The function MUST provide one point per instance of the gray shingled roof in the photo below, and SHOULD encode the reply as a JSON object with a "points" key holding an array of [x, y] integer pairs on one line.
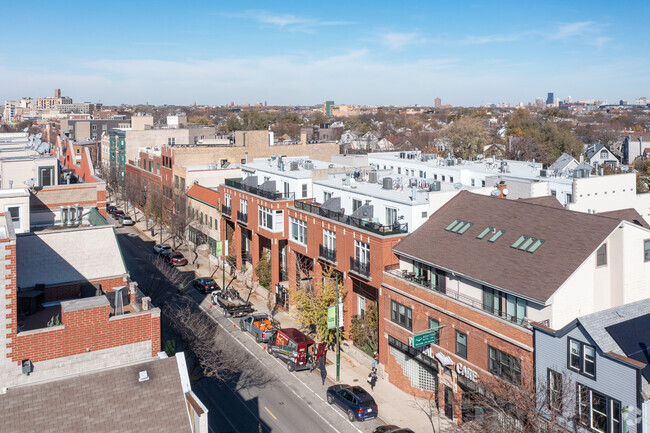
{"points": [[593, 149], [570, 237], [562, 162], [106, 401], [594, 324]]}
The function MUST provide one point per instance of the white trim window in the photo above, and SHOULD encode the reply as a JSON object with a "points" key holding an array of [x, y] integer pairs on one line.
{"points": [[243, 206], [298, 230], [329, 240], [228, 199], [15, 213], [362, 252], [265, 217]]}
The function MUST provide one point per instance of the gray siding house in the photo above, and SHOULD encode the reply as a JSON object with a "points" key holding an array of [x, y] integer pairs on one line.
{"points": [[593, 374]]}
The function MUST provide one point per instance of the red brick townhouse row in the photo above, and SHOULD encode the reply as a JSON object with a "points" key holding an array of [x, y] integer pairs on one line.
{"points": [[479, 271], [68, 306], [256, 223], [322, 240]]}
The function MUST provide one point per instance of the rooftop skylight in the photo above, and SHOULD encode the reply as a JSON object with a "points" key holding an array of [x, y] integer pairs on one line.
{"points": [[527, 243], [496, 236], [458, 226], [484, 232]]}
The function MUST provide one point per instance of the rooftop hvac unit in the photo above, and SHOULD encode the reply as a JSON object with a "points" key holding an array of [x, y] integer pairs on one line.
{"points": [[450, 162], [294, 165], [435, 185], [309, 165], [388, 183], [372, 177], [542, 173], [413, 182]]}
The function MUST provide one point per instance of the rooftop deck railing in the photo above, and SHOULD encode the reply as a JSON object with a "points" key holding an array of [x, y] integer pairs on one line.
{"points": [[380, 229], [270, 195]]}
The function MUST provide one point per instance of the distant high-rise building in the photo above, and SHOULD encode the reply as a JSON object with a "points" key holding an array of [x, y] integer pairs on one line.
{"points": [[438, 103], [642, 101], [569, 99], [550, 99], [57, 93], [327, 108], [539, 102]]}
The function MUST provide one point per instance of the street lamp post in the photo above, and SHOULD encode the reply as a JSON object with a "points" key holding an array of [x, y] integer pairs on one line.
{"points": [[338, 340]]}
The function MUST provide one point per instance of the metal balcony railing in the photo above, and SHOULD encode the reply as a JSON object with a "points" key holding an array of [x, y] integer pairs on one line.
{"points": [[361, 268], [327, 253], [242, 217], [270, 195], [467, 300], [380, 229], [226, 210]]}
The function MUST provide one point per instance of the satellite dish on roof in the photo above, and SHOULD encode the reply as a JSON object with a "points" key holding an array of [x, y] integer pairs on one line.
{"points": [[458, 185], [31, 182]]}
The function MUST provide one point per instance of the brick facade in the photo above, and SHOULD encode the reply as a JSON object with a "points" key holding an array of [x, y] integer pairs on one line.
{"points": [[481, 328]]}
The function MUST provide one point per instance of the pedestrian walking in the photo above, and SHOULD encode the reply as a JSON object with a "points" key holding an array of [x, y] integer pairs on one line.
{"points": [[321, 367], [372, 379], [375, 361]]}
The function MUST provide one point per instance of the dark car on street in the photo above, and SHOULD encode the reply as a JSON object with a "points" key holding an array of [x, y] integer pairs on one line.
{"points": [[177, 259], [354, 400], [111, 209], [118, 213], [392, 429], [205, 285], [160, 248]]}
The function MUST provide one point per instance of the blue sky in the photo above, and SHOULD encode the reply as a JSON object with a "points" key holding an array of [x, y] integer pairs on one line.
{"points": [[372, 53]]}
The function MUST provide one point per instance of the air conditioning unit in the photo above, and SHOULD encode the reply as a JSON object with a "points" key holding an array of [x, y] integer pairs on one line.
{"points": [[388, 183], [372, 177]]}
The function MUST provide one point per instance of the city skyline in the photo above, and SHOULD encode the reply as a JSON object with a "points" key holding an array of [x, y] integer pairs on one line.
{"points": [[369, 54]]}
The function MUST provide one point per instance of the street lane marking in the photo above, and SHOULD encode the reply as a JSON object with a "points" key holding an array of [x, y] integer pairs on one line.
{"points": [[267, 409], [288, 387]]}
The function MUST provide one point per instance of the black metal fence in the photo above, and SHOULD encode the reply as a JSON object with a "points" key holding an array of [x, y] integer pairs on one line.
{"points": [[377, 228], [271, 195]]}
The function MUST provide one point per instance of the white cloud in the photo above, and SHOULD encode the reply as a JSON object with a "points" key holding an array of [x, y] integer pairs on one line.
{"points": [[396, 40], [573, 29], [287, 22], [490, 39]]}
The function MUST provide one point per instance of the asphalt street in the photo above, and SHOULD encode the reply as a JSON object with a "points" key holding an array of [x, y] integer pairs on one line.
{"points": [[286, 402]]}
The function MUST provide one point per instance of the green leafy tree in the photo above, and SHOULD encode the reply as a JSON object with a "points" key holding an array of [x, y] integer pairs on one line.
{"points": [[312, 303], [263, 271], [467, 137], [365, 329]]}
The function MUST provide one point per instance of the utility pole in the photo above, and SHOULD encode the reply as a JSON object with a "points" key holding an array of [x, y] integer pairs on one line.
{"points": [[338, 340]]}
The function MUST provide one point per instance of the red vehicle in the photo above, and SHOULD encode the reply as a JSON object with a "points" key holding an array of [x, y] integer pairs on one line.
{"points": [[298, 350], [177, 259]]}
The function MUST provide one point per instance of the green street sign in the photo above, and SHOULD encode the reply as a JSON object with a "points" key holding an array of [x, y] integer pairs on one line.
{"points": [[425, 339]]}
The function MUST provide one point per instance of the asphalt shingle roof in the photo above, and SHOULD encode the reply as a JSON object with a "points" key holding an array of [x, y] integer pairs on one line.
{"points": [[570, 237], [107, 401], [206, 195]]}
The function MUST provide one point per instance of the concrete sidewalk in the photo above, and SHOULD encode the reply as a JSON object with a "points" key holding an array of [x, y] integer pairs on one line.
{"points": [[395, 406]]}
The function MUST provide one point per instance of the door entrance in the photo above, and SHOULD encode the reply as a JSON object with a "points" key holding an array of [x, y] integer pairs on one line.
{"points": [[449, 403]]}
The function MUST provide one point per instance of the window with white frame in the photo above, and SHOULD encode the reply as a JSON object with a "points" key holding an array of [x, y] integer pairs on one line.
{"points": [[597, 411], [356, 204], [391, 216], [601, 255], [582, 358], [361, 306], [227, 199], [329, 240], [265, 217], [555, 391], [362, 252], [298, 230], [646, 250], [14, 212], [171, 141], [243, 206], [304, 190], [326, 196]]}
